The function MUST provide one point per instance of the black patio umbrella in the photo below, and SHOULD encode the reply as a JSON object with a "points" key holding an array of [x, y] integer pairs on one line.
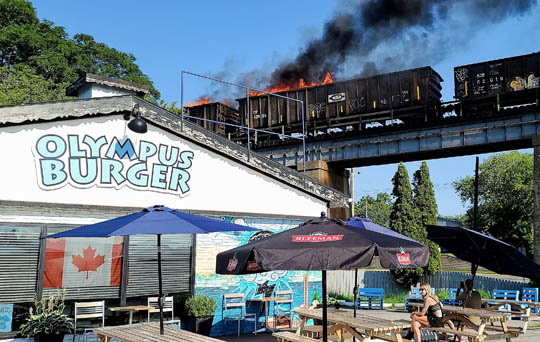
{"points": [[484, 250], [319, 245]]}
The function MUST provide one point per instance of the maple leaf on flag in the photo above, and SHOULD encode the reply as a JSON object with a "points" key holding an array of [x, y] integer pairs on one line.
{"points": [[88, 262]]}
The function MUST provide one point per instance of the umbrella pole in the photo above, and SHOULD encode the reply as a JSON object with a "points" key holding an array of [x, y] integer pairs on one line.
{"points": [[355, 294], [160, 299], [325, 307]]}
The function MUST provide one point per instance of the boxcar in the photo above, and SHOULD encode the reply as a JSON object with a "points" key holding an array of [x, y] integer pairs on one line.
{"points": [[392, 92], [215, 111], [515, 79]]}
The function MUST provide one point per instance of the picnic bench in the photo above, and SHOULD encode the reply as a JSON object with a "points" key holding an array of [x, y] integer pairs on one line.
{"points": [[287, 336], [369, 298], [451, 300], [486, 330], [362, 327], [415, 297], [149, 332]]}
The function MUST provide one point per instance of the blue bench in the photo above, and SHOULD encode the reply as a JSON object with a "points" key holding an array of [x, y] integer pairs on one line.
{"points": [[505, 294], [415, 297], [451, 300], [370, 298], [529, 294]]}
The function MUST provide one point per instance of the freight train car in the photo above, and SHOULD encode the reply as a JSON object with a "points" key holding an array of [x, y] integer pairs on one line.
{"points": [[215, 111], [503, 82], [393, 95]]}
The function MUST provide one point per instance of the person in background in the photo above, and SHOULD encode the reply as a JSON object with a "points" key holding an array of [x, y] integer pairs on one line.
{"points": [[431, 314], [469, 299]]}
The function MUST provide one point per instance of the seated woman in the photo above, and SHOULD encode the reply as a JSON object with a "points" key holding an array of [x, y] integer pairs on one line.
{"points": [[431, 314]]}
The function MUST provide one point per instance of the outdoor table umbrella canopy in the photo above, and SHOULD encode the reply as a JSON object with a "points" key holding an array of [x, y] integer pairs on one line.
{"points": [[484, 250], [319, 245], [153, 220]]}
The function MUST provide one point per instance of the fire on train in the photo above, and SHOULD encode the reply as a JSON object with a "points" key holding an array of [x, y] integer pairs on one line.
{"points": [[409, 97]]}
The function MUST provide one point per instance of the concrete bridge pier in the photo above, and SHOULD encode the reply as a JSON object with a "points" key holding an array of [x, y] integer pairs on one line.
{"points": [[334, 177]]}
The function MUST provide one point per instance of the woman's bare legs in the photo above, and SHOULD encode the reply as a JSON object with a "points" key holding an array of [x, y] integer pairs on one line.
{"points": [[417, 323]]}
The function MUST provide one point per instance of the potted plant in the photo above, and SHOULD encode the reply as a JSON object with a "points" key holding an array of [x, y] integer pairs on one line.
{"points": [[201, 314], [46, 321]]}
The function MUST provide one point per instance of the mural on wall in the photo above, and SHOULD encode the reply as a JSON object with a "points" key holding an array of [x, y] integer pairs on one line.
{"points": [[111, 162], [253, 286]]}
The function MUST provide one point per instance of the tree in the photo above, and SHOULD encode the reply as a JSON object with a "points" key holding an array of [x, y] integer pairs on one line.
{"points": [[404, 220], [42, 52], [505, 198], [378, 209], [426, 209]]}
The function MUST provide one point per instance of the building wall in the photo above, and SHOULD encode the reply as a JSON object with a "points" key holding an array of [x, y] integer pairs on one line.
{"points": [[210, 284], [208, 181]]}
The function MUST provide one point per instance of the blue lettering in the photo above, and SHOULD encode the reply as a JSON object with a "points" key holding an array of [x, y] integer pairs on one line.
{"points": [[159, 172], [44, 148], [74, 150], [146, 150], [180, 178], [95, 145], [163, 155], [52, 172], [111, 168], [185, 160], [75, 170], [121, 149], [135, 178]]}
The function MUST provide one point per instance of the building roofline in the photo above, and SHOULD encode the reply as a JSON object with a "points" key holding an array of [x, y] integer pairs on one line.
{"points": [[138, 88]]}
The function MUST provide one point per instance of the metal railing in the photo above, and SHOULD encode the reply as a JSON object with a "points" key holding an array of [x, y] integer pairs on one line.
{"points": [[248, 128]]}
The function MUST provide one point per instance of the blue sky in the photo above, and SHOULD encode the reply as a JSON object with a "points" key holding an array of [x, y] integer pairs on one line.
{"points": [[230, 38]]}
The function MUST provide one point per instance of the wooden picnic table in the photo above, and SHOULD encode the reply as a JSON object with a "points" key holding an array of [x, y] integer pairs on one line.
{"points": [[516, 305], [486, 330], [363, 327], [149, 332]]}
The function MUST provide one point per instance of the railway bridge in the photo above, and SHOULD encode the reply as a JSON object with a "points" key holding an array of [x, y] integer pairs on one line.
{"points": [[328, 157]]}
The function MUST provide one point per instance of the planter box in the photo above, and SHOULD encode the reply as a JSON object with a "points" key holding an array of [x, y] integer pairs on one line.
{"points": [[200, 325]]}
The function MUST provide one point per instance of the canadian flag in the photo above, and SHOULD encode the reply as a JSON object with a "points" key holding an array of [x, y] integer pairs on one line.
{"points": [[83, 262]]}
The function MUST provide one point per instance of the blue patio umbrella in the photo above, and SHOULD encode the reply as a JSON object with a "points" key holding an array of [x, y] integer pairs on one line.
{"points": [[154, 220]]}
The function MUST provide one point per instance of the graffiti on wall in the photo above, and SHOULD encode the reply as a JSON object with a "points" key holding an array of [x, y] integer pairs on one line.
{"points": [[253, 286]]}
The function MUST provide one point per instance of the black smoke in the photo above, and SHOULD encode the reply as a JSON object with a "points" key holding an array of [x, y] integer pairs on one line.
{"points": [[373, 36]]}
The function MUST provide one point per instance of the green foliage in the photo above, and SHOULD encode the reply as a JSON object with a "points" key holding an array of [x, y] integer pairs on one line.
{"points": [[505, 198], [404, 220], [378, 209], [20, 85], [426, 209], [42, 52], [315, 296], [47, 317], [201, 306]]}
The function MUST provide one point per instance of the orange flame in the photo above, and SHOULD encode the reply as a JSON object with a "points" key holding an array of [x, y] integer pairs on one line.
{"points": [[298, 85], [202, 100]]}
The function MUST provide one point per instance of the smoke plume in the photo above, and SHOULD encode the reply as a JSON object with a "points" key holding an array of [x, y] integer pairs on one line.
{"points": [[374, 36]]}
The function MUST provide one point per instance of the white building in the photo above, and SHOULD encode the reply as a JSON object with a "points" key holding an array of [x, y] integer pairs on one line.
{"points": [[70, 163]]}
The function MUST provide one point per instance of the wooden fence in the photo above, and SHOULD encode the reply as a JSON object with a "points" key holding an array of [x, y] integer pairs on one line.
{"points": [[342, 282]]}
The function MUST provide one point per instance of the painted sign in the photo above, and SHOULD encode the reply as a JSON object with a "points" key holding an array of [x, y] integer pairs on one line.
{"points": [[6, 317], [85, 161]]}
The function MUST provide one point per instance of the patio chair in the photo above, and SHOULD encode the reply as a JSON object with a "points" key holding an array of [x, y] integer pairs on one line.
{"points": [[168, 306], [284, 306], [233, 308], [90, 312]]}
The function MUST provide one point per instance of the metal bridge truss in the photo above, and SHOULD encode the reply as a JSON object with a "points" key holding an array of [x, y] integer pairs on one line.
{"points": [[450, 140]]}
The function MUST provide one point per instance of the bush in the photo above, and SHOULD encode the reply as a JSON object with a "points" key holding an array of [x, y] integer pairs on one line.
{"points": [[201, 306], [47, 317]]}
